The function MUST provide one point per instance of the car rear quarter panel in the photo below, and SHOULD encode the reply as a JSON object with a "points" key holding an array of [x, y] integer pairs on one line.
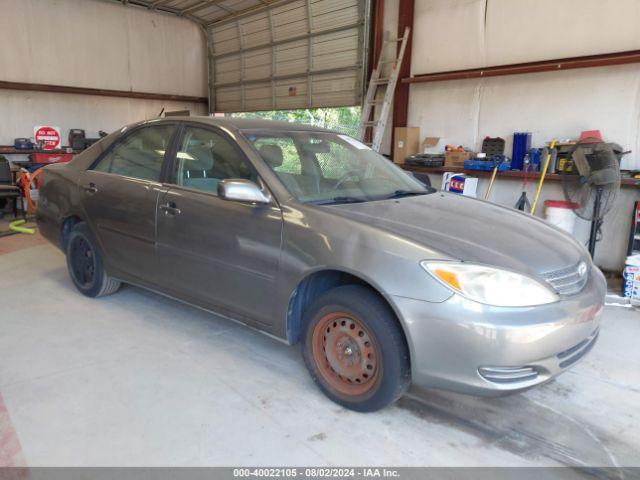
{"points": [[59, 196], [57, 201]]}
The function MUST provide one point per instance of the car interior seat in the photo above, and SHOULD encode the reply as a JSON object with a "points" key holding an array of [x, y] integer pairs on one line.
{"points": [[199, 170], [297, 184]]}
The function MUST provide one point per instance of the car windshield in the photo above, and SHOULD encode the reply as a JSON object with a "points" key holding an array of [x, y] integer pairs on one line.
{"points": [[325, 168]]}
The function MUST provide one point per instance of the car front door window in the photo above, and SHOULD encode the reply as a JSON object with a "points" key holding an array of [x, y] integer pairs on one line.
{"points": [[205, 157]]}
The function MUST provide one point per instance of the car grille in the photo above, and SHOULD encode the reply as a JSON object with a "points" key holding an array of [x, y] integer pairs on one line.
{"points": [[568, 281], [575, 353]]}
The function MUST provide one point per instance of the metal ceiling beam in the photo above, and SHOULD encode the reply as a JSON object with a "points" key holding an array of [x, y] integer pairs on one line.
{"points": [[158, 6], [248, 11], [161, 6], [191, 12], [601, 60], [207, 3], [157, 3], [101, 92]]}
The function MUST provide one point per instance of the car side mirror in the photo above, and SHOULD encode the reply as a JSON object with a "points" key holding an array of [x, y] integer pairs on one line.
{"points": [[240, 190]]}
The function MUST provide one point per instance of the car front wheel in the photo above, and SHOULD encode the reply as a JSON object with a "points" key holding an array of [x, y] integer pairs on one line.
{"points": [[85, 264], [355, 349]]}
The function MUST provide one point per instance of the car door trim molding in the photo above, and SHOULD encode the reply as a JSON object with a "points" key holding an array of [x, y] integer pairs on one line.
{"points": [[126, 234], [229, 265], [143, 181], [215, 309]]}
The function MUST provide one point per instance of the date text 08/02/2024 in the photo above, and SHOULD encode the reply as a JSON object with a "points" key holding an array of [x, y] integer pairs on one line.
{"points": [[316, 472]]}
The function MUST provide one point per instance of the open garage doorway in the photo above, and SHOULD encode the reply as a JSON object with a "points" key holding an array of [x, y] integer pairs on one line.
{"points": [[341, 119]]}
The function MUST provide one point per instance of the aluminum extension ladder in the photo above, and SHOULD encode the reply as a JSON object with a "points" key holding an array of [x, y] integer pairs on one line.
{"points": [[372, 100]]}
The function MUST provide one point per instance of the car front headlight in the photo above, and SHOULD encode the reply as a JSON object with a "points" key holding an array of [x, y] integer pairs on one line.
{"points": [[491, 286]]}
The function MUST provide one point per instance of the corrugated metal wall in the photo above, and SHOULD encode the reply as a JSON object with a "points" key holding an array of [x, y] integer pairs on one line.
{"points": [[307, 53]]}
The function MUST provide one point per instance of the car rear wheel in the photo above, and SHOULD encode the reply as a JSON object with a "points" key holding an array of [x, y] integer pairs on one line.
{"points": [[355, 350], [85, 264]]}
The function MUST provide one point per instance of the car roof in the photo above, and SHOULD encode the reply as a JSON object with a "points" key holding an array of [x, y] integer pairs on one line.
{"points": [[250, 123]]}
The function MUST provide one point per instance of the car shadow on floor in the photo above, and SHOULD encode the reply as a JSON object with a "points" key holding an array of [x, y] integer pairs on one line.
{"points": [[519, 424]]}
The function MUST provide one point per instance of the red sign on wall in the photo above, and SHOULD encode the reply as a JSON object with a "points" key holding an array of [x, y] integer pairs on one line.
{"points": [[49, 137]]}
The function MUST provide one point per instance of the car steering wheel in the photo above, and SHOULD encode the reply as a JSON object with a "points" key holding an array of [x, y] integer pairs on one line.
{"points": [[345, 177]]}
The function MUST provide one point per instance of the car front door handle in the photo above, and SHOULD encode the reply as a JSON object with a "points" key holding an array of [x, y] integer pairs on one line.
{"points": [[91, 188], [170, 209]]}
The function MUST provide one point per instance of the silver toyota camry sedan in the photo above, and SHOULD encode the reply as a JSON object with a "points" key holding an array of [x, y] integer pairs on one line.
{"points": [[311, 237]]}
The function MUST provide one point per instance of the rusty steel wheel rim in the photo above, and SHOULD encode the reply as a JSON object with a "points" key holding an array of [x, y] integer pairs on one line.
{"points": [[345, 353]]}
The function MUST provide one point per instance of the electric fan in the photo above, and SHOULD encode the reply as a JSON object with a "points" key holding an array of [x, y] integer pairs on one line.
{"points": [[591, 180]]}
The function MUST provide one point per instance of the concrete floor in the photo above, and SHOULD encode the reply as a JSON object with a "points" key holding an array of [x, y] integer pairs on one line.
{"points": [[137, 379]]}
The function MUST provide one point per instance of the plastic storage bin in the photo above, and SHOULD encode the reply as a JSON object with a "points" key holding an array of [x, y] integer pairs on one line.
{"points": [[521, 145]]}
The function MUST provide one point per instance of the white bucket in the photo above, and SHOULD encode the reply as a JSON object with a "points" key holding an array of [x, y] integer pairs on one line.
{"points": [[560, 213]]}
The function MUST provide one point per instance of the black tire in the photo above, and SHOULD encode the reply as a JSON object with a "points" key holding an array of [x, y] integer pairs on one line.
{"points": [[85, 265], [390, 376]]}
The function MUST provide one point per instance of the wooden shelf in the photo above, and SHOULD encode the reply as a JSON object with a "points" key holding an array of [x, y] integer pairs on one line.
{"points": [[510, 175], [11, 150]]}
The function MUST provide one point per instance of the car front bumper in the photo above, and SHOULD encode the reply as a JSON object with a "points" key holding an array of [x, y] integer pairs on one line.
{"points": [[467, 347]]}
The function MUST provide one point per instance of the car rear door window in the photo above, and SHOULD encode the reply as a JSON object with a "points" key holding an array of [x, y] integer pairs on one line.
{"points": [[139, 155], [205, 157]]}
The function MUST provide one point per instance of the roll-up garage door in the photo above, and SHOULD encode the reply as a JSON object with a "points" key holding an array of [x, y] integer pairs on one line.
{"points": [[297, 54]]}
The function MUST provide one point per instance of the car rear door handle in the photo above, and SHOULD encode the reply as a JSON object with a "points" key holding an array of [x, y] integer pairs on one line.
{"points": [[91, 188], [170, 209]]}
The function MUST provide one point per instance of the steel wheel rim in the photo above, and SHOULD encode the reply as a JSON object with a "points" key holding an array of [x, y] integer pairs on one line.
{"points": [[83, 262], [345, 353]]}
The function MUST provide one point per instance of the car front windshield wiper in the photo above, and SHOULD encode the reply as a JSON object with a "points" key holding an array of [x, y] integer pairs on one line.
{"points": [[407, 193], [343, 199]]}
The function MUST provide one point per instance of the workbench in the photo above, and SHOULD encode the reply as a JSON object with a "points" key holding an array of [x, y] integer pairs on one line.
{"points": [[508, 175], [11, 150]]}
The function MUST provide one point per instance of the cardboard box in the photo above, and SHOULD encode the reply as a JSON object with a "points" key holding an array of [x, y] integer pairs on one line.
{"points": [[407, 142], [459, 183], [429, 142], [434, 145], [456, 159]]}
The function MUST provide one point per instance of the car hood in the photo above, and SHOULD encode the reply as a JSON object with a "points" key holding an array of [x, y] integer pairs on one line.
{"points": [[471, 230]]}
